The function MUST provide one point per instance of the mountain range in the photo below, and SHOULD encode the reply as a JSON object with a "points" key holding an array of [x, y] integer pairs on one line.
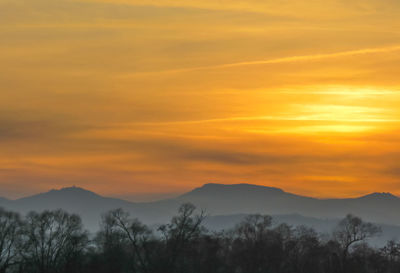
{"points": [[225, 205]]}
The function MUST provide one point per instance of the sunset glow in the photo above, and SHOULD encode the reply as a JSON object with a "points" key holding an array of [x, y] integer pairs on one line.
{"points": [[131, 98]]}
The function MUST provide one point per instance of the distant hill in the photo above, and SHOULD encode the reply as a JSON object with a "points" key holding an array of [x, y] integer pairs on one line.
{"points": [[245, 198], [77, 200], [3, 201], [217, 200]]}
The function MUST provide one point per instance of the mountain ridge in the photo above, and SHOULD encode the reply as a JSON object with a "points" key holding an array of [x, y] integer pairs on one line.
{"points": [[215, 199], [214, 187], [204, 187]]}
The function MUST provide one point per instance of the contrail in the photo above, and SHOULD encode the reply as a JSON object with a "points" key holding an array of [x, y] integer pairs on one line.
{"points": [[291, 59], [265, 118], [313, 57]]}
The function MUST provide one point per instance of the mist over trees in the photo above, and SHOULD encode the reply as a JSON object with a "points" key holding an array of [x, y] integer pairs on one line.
{"points": [[56, 242]]}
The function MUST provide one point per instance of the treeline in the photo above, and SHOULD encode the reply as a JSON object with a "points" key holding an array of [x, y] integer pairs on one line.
{"points": [[56, 242]]}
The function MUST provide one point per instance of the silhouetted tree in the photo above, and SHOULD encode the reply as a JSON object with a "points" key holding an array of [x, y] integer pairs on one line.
{"points": [[391, 253], [112, 245], [352, 230], [55, 242], [256, 247], [254, 227], [52, 240], [178, 235], [10, 237], [138, 236], [303, 251]]}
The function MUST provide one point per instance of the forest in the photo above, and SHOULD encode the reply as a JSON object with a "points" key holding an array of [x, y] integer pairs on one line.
{"points": [[57, 242]]}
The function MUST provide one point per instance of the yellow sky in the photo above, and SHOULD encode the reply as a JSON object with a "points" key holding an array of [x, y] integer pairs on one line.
{"points": [[128, 97]]}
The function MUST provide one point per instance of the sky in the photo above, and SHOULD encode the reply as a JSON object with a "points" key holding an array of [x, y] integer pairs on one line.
{"points": [[150, 98]]}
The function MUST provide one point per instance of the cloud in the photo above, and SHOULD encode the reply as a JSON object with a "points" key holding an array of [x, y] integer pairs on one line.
{"points": [[75, 109], [290, 59], [28, 126], [316, 9], [395, 171], [22, 130]]}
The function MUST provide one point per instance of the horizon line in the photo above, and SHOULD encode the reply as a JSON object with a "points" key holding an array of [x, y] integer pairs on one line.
{"points": [[178, 194]]}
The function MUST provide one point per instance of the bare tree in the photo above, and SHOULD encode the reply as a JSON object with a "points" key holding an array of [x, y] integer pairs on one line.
{"points": [[137, 234], [254, 227], [255, 245], [50, 238], [112, 245], [180, 232], [391, 250], [352, 230], [10, 235]]}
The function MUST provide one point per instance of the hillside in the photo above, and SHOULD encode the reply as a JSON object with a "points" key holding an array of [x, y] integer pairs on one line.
{"points": [[215, 199]]}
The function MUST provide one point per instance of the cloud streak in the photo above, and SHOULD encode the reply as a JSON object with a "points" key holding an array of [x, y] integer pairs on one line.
{"points": [[283, 60], [171, 94]]}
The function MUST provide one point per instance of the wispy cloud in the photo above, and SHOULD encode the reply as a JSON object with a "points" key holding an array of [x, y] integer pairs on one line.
{"points": [[170, 94], [290, 59]]}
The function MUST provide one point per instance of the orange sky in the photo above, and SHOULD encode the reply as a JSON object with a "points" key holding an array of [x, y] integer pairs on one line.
{"points": [[135, 98]]}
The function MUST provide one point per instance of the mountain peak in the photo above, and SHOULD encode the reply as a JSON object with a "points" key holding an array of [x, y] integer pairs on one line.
{"points": [[380, 196], [73, 189], [67, 193], [243, 188], [239, 186]]}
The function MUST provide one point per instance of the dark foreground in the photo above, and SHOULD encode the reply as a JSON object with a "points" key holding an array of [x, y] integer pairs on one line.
{"points": [[56, 242]]}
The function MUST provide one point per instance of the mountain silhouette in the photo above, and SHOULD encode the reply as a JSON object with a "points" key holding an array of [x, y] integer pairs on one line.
{"points": [[3, 200], [244, 198], [89, 205], [380, 196], [69, 198], [216, 200]]}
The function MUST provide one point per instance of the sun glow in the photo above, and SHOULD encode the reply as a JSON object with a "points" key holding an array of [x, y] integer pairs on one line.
{"points": [[170, 94]]}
